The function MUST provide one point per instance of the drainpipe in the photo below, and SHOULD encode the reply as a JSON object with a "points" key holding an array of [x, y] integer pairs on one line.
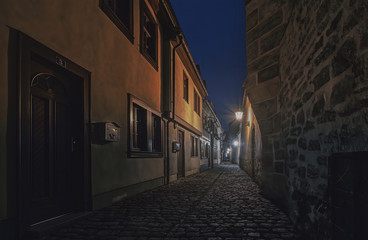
{"points": [[171, 119]]}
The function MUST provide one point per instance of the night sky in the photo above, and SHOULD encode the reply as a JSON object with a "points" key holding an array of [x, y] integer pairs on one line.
{"points": [[215, 32]]}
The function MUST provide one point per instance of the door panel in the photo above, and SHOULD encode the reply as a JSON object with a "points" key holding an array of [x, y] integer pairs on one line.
{"points": [[54, 142], [55, 123]]}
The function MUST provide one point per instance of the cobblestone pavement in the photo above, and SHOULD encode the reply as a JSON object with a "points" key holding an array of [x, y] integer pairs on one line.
{"points": [[221, 203]]}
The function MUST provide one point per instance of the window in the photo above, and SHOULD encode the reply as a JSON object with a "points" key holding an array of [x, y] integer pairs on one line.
{"points": [[139, 128], [120, 13], [148, 37], [194, 147], [185, 87], [197, 103], [145, 130], [156, 133]]}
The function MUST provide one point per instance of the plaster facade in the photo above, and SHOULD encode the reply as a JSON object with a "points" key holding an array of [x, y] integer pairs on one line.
{"points": [[119, 74]]}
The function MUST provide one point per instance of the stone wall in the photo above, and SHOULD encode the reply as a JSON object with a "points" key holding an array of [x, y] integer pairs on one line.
{"points": [[266, 21], [323, 98], [321, 63]]}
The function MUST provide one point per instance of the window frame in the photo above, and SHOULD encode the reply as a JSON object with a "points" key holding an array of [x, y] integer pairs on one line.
{"points": [[151, 115], [185, 87], [197, 102], [144, 10], [193, 146], [128, 31]]}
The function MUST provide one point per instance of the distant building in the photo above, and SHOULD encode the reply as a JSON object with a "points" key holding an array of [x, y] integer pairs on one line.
{"points": [[212, 137], [100, 100]]}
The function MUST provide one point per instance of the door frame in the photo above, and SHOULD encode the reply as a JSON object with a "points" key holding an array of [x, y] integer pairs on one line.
{"points": [[25, 46], [182, 154]]}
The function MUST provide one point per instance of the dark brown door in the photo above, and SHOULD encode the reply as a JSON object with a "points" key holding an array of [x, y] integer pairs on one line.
{"points": [[181, 155], [52, 137]]}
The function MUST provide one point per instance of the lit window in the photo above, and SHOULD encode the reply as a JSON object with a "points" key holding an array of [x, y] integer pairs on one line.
{"points": [[120, 13]]}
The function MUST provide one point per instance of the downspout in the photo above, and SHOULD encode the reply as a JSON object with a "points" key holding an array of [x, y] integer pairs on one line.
{"points": [[171, 119]]}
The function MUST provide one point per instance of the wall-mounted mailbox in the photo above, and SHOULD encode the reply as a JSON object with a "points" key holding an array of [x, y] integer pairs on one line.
{"points": [[175, 147], [107, 132]]}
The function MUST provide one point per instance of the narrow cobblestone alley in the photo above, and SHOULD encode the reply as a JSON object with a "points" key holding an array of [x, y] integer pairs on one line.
{"points": [[221, 203]]}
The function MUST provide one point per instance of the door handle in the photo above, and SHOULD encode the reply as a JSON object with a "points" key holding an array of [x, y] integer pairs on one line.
{"points": [[73, 142]]}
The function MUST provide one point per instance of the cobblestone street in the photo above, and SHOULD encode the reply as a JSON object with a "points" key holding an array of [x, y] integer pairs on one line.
{"points": [[221, 203]]}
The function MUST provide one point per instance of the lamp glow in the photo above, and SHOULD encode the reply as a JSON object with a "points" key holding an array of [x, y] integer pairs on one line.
{"points": [[238, 115], [236, 143]]}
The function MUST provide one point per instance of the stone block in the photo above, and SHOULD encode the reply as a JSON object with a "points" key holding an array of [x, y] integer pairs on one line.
{"points": [[297, 104], [264, 91], [322, 11], [250, 81], [264, 110], [354, 18], [344, 58], [307, 96], [327, 50], [290, 141], [268, 73], [265, 27], [300, 118], [269, 7], [309, 125], [327, 116], [312, 171], [302, 172], [322, 77], [322, 160], [273, 39], [318, 44], [279, 167], [363, 32], [252, 19], [280, 155], [334, 24], [293, 155], [318, 107], [252, 51], [353, 107], [264, 61], [314, 145], [302, 143], [296, 131], [342, 90]]}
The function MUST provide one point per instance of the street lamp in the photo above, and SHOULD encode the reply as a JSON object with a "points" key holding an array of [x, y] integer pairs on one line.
{"points": [[236, 143]]}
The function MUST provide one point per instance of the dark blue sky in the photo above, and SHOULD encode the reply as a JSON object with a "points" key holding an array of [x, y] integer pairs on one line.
{"points": [[215, 32]]}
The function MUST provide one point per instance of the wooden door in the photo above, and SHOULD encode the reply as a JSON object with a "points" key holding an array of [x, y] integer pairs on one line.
{"points": [[181, 155], [52, 128]]}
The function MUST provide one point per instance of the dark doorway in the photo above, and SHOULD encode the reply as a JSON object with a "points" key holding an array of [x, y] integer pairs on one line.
{"points": [[349, 195], [54, 179], [181, 155]]}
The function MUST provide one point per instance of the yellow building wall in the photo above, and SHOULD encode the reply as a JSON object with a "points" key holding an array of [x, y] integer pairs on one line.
{"points": [[184, 109], [80, 31], [246, 140]]}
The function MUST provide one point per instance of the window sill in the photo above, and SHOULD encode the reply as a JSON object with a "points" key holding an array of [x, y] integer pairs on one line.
{"points": [[150, 60], [138, 154]]}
